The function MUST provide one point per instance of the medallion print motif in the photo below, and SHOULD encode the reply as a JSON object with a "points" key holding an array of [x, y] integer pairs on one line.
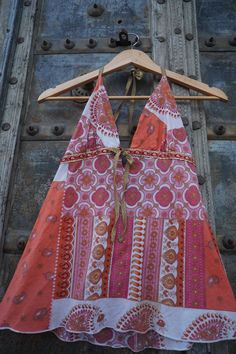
{"points": [[164, 285]]}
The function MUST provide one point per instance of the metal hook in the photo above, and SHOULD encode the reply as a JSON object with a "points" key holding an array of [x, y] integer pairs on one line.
{"points": [[136, 40]]}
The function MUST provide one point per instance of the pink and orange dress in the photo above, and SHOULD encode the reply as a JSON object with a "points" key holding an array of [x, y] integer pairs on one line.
{"points": [[121, 253]]}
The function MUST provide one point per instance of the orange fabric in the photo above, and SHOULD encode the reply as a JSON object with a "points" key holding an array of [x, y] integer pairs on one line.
{"points": [[27, 300], [150, 133], [219, 294]]}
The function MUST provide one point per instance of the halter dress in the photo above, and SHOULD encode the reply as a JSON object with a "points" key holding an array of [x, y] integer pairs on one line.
{"points": [[122, 253]]}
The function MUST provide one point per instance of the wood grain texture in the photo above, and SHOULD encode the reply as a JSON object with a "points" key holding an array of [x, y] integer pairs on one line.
{"points": [[12, 112]]}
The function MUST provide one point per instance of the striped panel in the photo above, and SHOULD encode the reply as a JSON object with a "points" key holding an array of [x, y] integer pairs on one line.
{"points": [[152, 258], [136, 266], [120, 264]]}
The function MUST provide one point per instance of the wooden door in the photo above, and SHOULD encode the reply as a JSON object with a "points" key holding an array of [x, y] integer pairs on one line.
{"points": [[51, 41]]}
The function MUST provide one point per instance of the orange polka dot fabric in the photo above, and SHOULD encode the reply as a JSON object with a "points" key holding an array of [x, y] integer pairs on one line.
{"points": [[163, 285]]}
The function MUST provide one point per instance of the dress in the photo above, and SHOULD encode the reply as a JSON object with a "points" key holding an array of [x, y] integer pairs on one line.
{"points": [[159, 282]]}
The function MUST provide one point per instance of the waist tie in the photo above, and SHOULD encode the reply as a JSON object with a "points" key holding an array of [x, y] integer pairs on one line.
{"points": [[127, 161]]}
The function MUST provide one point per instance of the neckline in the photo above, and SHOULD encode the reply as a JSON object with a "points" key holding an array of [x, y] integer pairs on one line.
{"points": [[100, 84]]}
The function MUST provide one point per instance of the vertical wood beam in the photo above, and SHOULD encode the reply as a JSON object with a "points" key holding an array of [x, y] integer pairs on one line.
{"points": [[173, 51], [9, 130], [9, 25], [175, 46]]}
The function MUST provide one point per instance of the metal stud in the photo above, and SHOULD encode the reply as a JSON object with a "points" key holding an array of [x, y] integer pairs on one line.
{"points": [[112, 43], [233, 42], [68, 44], [32, 130], [6, 126], [210, 42], [21, 243], [189, 36], [58, 130], [95, 10], [201, 179], [177, 30], [228, 243], [13, 80], [46, 45], [185, 121], [196, 125], [219, 129], [161, 1], [92, 43], [27, 3]]}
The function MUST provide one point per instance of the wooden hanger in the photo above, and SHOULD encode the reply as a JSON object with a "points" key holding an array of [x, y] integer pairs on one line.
{"points": [[139, 60]]}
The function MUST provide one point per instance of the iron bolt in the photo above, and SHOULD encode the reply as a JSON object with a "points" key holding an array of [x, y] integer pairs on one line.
{"points": [[210, 42], [21, 243], [112, 43], [68, 44], [32, 130], [58, 130], [27, 3], [189, 36], [228, 243], [219, 129], [201, 179], [92, 43], [13, 80], [46, 45], [95, 10], [177, 30], [6, 126], [185, 121], [233, 41], [161, 1], [196, 125]]}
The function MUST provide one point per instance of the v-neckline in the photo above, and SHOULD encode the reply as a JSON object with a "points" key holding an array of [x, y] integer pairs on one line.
{"points": [[100, 84]]}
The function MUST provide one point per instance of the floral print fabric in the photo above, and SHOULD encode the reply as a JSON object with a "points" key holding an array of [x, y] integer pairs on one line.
{"points": [[164, 286]]}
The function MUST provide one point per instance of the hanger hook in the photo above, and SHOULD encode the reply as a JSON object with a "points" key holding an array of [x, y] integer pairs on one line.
{"points": [[136, 40]]}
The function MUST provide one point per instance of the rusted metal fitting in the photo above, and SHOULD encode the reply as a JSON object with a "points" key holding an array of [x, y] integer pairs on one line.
{"points": [[219, 129], [21, 243], [177, 30], [210, 42], [228, 243], [58, 130], [112, 43], [32, 130], [123, 40], [92, 43], [185, 121], [6, 126], [201, 179], [68, 44], [189, 36], [13, 80], [196, 125], [233, 42], [46, 45], [95, 10]]}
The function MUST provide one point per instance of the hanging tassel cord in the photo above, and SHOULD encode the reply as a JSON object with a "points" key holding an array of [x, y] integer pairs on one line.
{"points": [[120, 204]]}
